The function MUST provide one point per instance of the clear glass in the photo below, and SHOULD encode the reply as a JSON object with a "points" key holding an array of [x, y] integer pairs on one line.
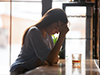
{"points": [[76, 60], [24, 14], [4, 37]]}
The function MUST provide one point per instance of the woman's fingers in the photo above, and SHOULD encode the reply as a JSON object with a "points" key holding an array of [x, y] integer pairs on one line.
{"points": [[64, 29]]}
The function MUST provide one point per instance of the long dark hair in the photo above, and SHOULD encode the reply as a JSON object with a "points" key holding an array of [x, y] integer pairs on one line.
{"points": [[51, 16]]}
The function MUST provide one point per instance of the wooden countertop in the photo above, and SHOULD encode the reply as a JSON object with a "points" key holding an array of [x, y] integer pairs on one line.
{"points": [[64, 67]]}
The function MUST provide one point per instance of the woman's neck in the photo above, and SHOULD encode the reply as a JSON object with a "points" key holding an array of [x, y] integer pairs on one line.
{"points": [[44, 33]]}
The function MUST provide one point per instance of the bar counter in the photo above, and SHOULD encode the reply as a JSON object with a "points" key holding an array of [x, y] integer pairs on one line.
{"points": [[64, 67]]}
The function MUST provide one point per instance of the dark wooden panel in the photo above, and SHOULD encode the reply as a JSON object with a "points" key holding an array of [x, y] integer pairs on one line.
{"points": [[88, 32], [99, 33], [46, 5], [78, 4]]}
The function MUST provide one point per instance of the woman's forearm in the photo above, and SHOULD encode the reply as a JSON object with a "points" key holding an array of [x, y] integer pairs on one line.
{"points": [[56, 59], [55, 51]]}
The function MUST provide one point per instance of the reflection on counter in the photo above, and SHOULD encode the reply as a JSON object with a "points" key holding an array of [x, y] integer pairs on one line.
{"points": [[88, 67], [76, 71]]}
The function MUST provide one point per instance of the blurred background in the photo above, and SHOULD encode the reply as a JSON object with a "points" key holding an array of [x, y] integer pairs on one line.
{"points": [[17, 15]]}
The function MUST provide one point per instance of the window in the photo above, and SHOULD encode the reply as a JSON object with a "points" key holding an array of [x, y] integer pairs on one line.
{"points": [[22, 14], [4, 37]]}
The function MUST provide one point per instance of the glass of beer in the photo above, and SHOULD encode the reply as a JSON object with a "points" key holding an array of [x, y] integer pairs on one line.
{"points": [[76, 60]]}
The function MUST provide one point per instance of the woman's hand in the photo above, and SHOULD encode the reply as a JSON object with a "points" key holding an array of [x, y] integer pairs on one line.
{"points": [[56, 59], [41, 63], [63, 28]]}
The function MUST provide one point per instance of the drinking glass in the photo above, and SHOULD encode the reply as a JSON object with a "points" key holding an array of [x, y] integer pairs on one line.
{"points": [[76, 60]]}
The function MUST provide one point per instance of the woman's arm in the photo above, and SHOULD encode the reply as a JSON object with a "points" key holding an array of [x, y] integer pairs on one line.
{"points": [[55, 51], [56, 59], [41, 63]]}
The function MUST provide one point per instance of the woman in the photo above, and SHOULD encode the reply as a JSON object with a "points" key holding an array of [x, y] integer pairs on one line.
{"points": [[37, 45]]}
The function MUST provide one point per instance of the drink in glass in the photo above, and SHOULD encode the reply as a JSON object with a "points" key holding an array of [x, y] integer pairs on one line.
{"points": [[76, 60]]}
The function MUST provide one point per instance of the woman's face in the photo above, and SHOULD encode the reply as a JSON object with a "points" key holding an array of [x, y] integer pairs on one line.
{"points": [[53, 28]]}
